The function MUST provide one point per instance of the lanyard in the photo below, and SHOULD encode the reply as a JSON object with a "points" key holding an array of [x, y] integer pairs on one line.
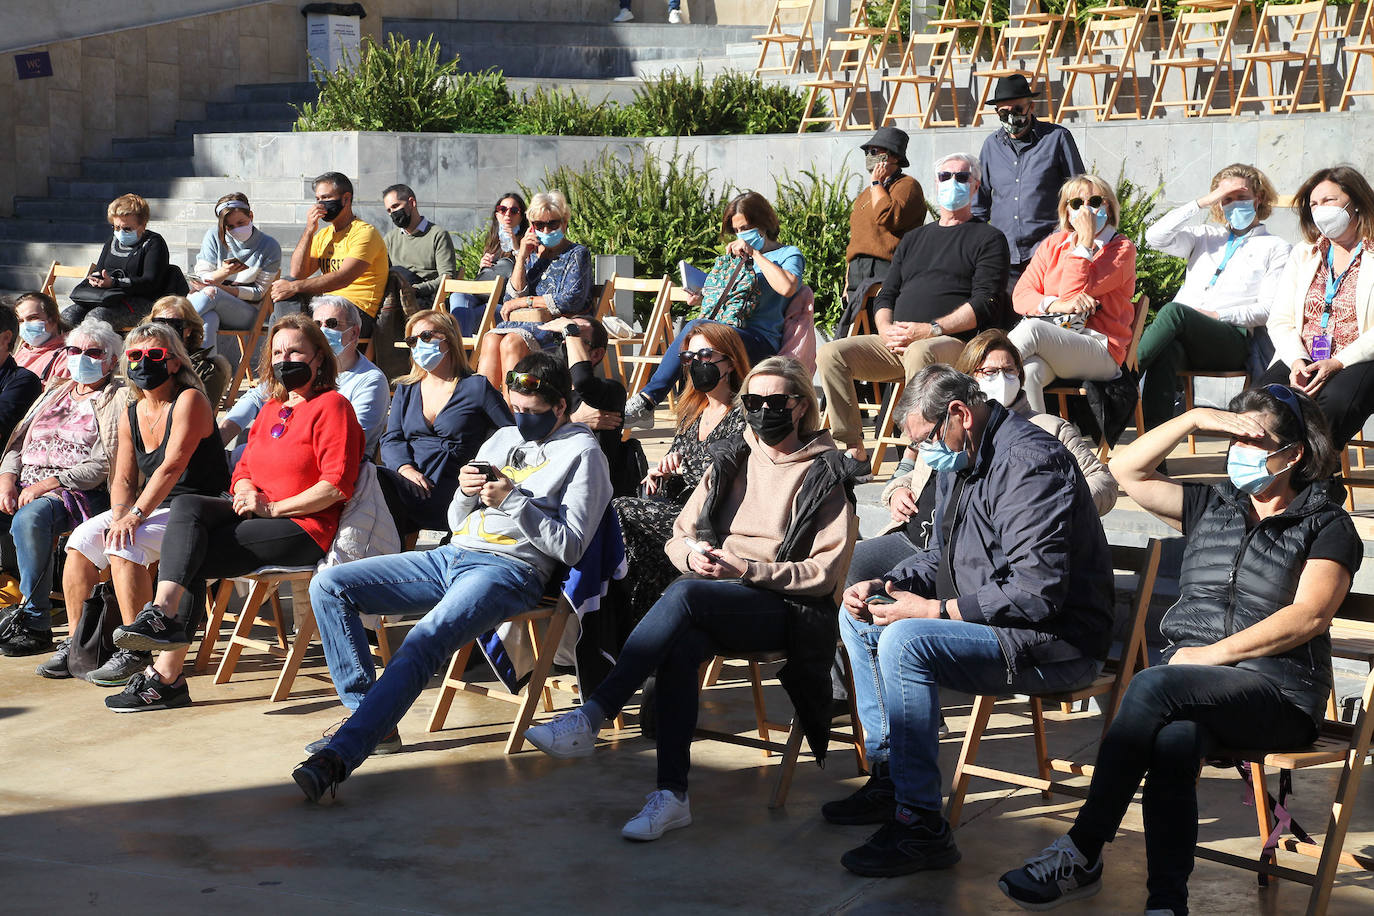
{"points": [[1233, 245], [1333, 282]]}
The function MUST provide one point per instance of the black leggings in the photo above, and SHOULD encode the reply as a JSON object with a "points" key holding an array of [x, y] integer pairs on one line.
{"points": [[207, 539]]}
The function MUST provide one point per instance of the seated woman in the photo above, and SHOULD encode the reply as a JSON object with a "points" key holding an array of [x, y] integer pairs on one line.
{"points": [[706, 414], [775, 271], [507, 230], [1322, 316], [52, 478], [289, 490], [177, 313], [1233, 270], [133, 269], [1077, 293], [552, 278], [235, 267], [440, 415], [168, 441], [761, 577], [1268, 559], [43, 346]]}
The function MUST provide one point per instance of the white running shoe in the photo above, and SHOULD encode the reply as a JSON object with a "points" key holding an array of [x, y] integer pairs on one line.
{"points": [[675, 17], [569, 735], [623, 16], [639, 412], [662, 813]]}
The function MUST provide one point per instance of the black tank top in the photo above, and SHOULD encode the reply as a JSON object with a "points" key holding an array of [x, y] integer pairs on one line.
{"points": [[206, 474]]}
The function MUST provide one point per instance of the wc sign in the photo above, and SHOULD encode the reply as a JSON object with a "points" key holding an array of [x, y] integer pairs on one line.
{"points": [[32, 66]]}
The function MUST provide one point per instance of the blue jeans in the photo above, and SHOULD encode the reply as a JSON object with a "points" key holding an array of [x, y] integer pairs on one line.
{"points": [[898, 670], [26, 546], [220, 309], [670, 368], [466, 309], [462, 593]]}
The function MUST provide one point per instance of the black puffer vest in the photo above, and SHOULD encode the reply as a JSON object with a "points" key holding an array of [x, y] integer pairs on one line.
{"points": [[1234, 576]]}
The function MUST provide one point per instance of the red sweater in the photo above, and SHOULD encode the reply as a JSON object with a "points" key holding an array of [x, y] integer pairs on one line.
{"points": [[1109, 277], [323, 441]]}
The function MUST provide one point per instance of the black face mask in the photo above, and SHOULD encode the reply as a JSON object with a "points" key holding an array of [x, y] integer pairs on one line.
{"points": [[176, 324], [772, 426], [147, 374], [535, 426], [705, 376], [332, 209], [292, 375], [401, 217]]}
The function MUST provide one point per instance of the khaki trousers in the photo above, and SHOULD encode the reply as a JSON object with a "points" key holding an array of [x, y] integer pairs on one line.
{"points": [[842, 362]]}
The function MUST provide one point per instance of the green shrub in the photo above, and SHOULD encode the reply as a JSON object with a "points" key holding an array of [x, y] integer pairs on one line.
{"points": [[559, 113], [682, 105], [1157, 275], [467, 248], [813, 212]]}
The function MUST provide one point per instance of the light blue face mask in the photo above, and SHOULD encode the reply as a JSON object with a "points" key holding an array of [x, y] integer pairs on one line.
{"points": [[335, 338], [1100, 219], [84, 370], [1240, 215], [753, 238], [1248, 468], [427, 354], [126, 237], [953, 195], [549, 239], [34, 333], [940, 458]]}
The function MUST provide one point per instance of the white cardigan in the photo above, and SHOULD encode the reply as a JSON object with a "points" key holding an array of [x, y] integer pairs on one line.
{"points": [[1285, 316]]}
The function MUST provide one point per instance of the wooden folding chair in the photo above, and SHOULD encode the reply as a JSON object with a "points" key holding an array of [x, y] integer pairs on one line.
{"points": [[264, 583], [1187, 375], [950, 23], [1356, 49], [57, 271], [1302, 49], [492, 289], [918, 69], [1020, 51], [650, 344], [788, 13], [1035, 13], [605, 306], [248, 346], [879, 38], [843, 69], [1201, 44], [1111, 684], [1107, 50], [1150, 10]]}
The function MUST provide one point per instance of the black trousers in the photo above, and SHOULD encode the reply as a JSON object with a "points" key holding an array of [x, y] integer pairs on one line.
{"points": [[1347, 398], [207, 539]]}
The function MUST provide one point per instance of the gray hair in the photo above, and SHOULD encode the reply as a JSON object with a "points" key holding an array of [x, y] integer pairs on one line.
{"points": [[935, 387], [553, 202], [970, 160], [349, 315], [104, 337]]}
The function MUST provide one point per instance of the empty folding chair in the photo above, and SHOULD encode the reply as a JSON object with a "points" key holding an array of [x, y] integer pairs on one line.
{"points": [[1202, 45], [1107, 50], [1303, 50], [925, 49], [1020, 51], [843, 70], [788, 15]]}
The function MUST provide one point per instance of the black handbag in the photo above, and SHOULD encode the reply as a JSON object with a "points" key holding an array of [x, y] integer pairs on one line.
{"points": [[86, 294], [93, 642]]}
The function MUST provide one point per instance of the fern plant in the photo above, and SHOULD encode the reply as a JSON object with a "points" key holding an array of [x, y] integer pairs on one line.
{"points": [[1157, 274], [813, 213], [685, 105], [557, 113]]}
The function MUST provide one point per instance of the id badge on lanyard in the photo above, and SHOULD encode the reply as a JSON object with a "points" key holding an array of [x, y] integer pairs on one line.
{"points": [[1321, 343]]}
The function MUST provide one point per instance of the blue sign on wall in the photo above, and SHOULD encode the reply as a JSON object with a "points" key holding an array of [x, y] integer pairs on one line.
{"points": [[32, 66]]}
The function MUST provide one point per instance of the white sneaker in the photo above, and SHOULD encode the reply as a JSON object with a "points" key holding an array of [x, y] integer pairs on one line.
{"points": [[662, 813], [569, 735], [675, 17], [623, 16], [639, 412]]}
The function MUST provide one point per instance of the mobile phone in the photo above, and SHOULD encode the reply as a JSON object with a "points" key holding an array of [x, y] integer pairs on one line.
{"points": [[697, 547], [487, 469], [880, 598]]}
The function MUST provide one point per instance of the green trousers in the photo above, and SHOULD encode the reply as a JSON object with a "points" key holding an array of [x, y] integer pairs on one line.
{"points": [[1183, 338]]}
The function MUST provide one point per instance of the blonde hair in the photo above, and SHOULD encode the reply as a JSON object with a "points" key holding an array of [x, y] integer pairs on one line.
{"points": [[1256, 181], [187, 313], [168, 339], [1066, 192], [798, 383], [553, 202], [444, 321], [128, 205]]}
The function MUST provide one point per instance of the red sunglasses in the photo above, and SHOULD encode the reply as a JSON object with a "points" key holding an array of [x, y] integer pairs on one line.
{"points": [[138, 354]]}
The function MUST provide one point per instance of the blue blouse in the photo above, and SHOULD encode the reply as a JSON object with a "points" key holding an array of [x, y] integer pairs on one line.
{"points": [[565, 281], [767, 318]]}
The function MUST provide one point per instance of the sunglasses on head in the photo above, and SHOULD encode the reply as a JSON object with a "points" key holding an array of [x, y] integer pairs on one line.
{"points": [[961, 176], [529, 383], [92, 352], [154, 354], [284, 415], [1095, 201], [546, 225], [755, 402], [331, 323], [704, 355], [426, 336], [502, 208]]}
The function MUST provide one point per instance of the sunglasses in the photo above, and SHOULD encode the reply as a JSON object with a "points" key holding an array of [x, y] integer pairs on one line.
{"points": [[546, 226], [92, 352], [961, 177], [331, 323], [426, 336], [529, 383], [503, 209], [704, 355], [138, 354], [756, 402], [283, 415], [1095, 201]]}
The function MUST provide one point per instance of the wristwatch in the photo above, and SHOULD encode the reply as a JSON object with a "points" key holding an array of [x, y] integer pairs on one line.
{"points": [[139, 512], [935, 329], [944, 610]]}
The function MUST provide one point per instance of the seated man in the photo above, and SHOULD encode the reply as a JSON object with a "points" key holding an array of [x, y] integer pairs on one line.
{"points": [[347, 252], [599, 404], [531, 501], [1014, 594], [361, 382], [421, 256], [946, 283]]}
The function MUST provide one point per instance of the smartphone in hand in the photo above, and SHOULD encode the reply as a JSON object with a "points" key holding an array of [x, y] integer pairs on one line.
{"points": [[486, 469], [880, 598]]}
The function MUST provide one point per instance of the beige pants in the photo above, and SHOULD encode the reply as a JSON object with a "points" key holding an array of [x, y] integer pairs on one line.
{"points": [[842, 362]]}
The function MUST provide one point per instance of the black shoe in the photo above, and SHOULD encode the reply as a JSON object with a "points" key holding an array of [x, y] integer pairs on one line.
{"points": [[901, 849], [118, 668], [56, 667], [391, 744], [1057, 875], [145, 692], [874, 802], [321, 773], [151, 630], [24, 640]]}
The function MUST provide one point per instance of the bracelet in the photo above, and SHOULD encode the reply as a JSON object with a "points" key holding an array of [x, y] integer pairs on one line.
{"points": [[944, 611]]}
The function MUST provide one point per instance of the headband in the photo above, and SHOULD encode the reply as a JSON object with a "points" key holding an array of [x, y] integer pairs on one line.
{"points": [[230, 205], [1284, 395]]}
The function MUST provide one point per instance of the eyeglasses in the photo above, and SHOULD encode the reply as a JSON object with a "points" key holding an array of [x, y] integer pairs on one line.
{"points": [[962, 177], [503, 209], [92, 352], [704, 355], [756, 402], [993, 372], [937, 430], [546, 226], [426, 336], [331, 323], [530, 383], [1095, 201], [153, 354], [284, 415]]}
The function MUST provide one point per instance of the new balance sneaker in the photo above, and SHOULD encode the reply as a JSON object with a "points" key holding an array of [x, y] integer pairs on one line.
{"points": [[151, 630], [26, 640], [123, 665], [145, 692], [663, 811], [391, 744], [320, 774], [674, 17], [569, 735], [623, 16], [1060, 873], [56, 667], [905, 844], [639, 412], [874, 802]]}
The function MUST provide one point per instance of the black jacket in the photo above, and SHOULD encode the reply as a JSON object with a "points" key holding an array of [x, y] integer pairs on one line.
{"points": [[1026, 549], [19, 388], [145, 273]]}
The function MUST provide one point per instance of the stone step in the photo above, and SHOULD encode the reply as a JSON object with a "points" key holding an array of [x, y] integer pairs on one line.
{"points": [[202, 189], [267, 112], [151, 147], [240, 126], [128, 170], [177, 232], [275, 92], [92, 209]]}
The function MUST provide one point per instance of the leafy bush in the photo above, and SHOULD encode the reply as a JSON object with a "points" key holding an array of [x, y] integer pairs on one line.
{"points": [[1158, 275], [813, 212], [565, 114], [681, 105]]}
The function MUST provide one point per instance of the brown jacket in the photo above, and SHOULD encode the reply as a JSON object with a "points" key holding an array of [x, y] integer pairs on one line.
{"points": [[877, 232]]}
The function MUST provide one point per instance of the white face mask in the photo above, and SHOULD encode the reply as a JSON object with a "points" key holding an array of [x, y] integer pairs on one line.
{"points": [[1002, 387], [242, 233], [1332, 222]]}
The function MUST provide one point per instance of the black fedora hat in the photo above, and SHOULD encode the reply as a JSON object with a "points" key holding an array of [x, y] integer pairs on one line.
{"points": [[892, 140], [1011, 88]]}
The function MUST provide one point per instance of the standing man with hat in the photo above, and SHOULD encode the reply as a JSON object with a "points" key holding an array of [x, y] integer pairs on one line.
{"points": [[890, 207], [1025, 161]]}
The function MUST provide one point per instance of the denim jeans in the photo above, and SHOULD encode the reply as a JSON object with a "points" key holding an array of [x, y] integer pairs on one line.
{"points": [[462, 594], [1171, 718], [898, 672], [693, 621], [670, 367], [220, 309], [26, 546]]}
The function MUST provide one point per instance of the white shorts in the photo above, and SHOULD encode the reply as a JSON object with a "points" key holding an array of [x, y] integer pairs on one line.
{"points": [[89, 539]]}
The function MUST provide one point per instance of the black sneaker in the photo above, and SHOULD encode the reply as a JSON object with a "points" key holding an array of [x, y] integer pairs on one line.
{"points": [[874, 802], [151, 630], [146, 692], [903, 848], [1057, 875], [56, 667], [121, 666], [321, 773], [25, 640], [391, 744]]}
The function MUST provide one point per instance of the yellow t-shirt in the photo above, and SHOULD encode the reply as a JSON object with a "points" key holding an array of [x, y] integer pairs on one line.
{"points": [[358, 240]]}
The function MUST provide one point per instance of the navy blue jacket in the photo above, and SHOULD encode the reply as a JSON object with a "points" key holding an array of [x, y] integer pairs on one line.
{"points": [[19, 388], [1020, 189]]}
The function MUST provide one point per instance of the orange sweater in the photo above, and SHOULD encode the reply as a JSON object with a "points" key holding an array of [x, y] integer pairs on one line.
{"points": [[1109, 277]]}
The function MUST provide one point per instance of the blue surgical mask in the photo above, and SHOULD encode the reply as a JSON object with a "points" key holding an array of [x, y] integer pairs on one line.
{"points": [[549, 239], [84, 370], [1248, 468], [335, 338], [940, 458], [1100, 218], [753, 238], [1240, 215], [34, 333], [427, 354], [535, 426], [126, 237], [953, 195]]}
